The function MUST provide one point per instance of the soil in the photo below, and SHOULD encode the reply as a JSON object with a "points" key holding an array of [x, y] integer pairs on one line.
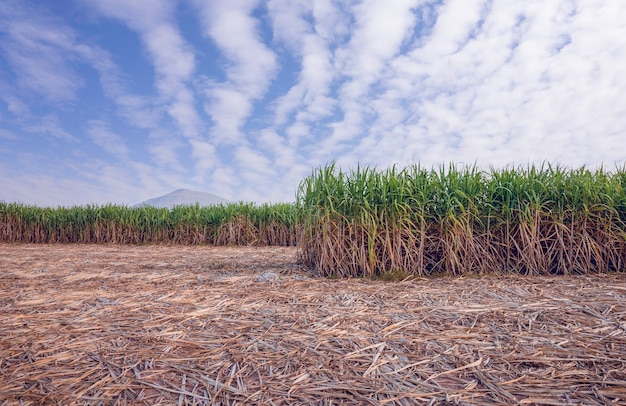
{"points": [[159, 324]]}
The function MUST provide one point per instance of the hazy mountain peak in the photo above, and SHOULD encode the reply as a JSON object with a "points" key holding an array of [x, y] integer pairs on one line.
{"points": [[183, 197]]}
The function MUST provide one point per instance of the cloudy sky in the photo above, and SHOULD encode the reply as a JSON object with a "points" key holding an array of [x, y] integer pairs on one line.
{"points": [[122, 100]]}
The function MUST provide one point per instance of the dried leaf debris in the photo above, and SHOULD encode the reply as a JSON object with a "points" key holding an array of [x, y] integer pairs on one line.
{"points": [[158, 324]]}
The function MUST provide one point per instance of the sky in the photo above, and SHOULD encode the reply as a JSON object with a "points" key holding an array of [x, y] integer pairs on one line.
{"points": [[118, 101]]}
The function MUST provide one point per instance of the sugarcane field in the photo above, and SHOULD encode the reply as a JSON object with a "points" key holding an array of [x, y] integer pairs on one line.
{"points": [[312, 202], [399, 287]]}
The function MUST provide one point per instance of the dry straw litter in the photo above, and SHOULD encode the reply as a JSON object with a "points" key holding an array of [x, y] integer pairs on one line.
{"points": [[159, 324]]}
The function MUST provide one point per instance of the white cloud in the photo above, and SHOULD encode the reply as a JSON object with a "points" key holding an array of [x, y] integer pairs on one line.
{"points": [[139, 111], [173, 59], [30, 38], [236, 33], [224, 183], [456, 21], [50, 190], [379, 32], [253, 161], [35, 37], [48, 125], [228, 109], [112, 143], [15, 105], [380, 29], [310, 40], [512, 82], [206, 159], [164, 150], [250, 69], [8, 135], [42, 179], [283, 156]]}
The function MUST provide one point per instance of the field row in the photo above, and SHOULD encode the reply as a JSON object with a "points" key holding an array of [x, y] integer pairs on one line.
{"points": [[233, 224], [392, 223], [460, 220]]}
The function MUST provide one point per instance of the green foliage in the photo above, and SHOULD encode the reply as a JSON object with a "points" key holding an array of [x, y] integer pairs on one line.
{"points": [[239, 223], [454, 220], [389, 224]]}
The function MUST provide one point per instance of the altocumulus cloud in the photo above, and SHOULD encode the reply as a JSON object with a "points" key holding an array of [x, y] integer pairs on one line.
{"points": [[118, 101]]}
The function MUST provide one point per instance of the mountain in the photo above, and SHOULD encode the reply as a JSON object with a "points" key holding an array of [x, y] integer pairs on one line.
{"points": [[183, 197]]}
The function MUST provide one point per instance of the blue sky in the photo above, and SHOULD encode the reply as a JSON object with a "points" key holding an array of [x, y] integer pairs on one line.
{"points": [[122, 100]]}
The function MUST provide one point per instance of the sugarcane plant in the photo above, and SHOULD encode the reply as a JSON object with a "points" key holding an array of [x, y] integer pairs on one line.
{"points": [[459, 220]]}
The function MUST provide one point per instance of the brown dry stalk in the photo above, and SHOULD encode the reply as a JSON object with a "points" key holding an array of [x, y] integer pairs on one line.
{"points": [[542, 245], [239, 231]]}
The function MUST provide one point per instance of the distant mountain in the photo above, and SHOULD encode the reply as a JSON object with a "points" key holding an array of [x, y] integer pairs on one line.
{"points": [[183, 197]]}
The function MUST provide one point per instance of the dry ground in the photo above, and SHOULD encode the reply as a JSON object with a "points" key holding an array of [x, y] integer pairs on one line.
{"points": [[98, 324]]}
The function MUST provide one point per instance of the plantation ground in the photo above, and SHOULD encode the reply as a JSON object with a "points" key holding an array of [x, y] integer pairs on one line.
{"points": [[105, 324]]}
